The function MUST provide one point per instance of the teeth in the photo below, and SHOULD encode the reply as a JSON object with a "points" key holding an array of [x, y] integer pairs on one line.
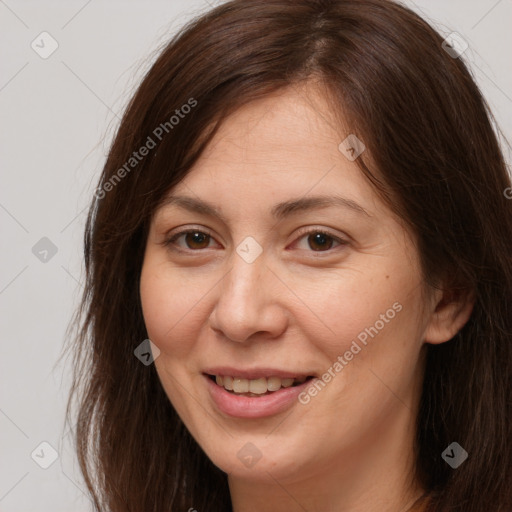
{"points": [[273, 383], [240, 385], [258, 386], [255, 387], [228, 382]]}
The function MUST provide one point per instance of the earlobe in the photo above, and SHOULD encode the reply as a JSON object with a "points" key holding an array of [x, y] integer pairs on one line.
{"points": [[450, 314]]}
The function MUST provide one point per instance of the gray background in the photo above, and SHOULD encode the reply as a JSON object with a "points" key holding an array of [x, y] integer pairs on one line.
{"points": [[58, 117]]}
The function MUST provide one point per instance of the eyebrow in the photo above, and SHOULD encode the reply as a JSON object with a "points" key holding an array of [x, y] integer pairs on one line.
{"points": [[279, 211]]}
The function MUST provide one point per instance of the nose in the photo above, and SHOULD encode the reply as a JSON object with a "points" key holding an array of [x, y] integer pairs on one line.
{"points": [[249, 303]]}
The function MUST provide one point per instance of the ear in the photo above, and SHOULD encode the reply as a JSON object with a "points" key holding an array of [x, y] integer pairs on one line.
{"points": [[451, 311]]}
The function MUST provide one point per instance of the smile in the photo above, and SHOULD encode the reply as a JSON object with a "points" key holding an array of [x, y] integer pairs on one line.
{"points": [[254, 395], [256, 387]]}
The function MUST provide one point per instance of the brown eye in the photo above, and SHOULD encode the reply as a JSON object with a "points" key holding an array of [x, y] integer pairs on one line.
{"points": [[197, 240], [320, 241], [191, 239]]}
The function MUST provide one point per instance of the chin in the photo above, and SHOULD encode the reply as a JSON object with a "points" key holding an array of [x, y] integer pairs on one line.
{"points": [[256, 459]]}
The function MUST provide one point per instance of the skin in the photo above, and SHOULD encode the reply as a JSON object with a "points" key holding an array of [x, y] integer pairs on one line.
{"points": [[295, 308]]}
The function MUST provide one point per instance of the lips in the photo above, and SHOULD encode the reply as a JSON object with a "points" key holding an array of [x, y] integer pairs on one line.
{"points": [[254, 393]]}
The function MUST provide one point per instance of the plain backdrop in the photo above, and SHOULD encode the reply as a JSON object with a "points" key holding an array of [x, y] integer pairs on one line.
{"points": [[58, 116]]}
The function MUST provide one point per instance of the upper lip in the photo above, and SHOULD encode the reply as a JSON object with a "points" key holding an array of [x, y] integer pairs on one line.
{"points": [[255, 373]]}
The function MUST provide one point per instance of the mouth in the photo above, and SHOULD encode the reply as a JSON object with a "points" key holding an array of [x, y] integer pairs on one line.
{"points": [[260, 387]]}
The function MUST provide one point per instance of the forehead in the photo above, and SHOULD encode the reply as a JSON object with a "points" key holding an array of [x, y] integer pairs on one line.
{"points": [[283, 146], [285, 124]]}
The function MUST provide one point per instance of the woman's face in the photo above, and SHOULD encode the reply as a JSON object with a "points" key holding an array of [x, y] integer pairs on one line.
{"points": [[293, 268]]}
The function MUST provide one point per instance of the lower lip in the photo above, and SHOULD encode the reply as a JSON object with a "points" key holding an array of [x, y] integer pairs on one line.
{"points": [[257, 406]]}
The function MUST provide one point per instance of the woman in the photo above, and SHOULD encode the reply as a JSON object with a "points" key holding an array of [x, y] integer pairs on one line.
{"points": [[305, 211]]}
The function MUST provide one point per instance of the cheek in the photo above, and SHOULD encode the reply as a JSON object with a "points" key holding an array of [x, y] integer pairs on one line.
{"points": [[372, 346], [372, 320], [340, 307], [171, 307]]}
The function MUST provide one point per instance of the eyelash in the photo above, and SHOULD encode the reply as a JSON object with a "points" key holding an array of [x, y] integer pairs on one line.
{"points": [[170, 241]]}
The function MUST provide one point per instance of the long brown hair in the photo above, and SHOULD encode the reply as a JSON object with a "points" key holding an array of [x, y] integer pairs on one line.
{"points": [[436, 160]]}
